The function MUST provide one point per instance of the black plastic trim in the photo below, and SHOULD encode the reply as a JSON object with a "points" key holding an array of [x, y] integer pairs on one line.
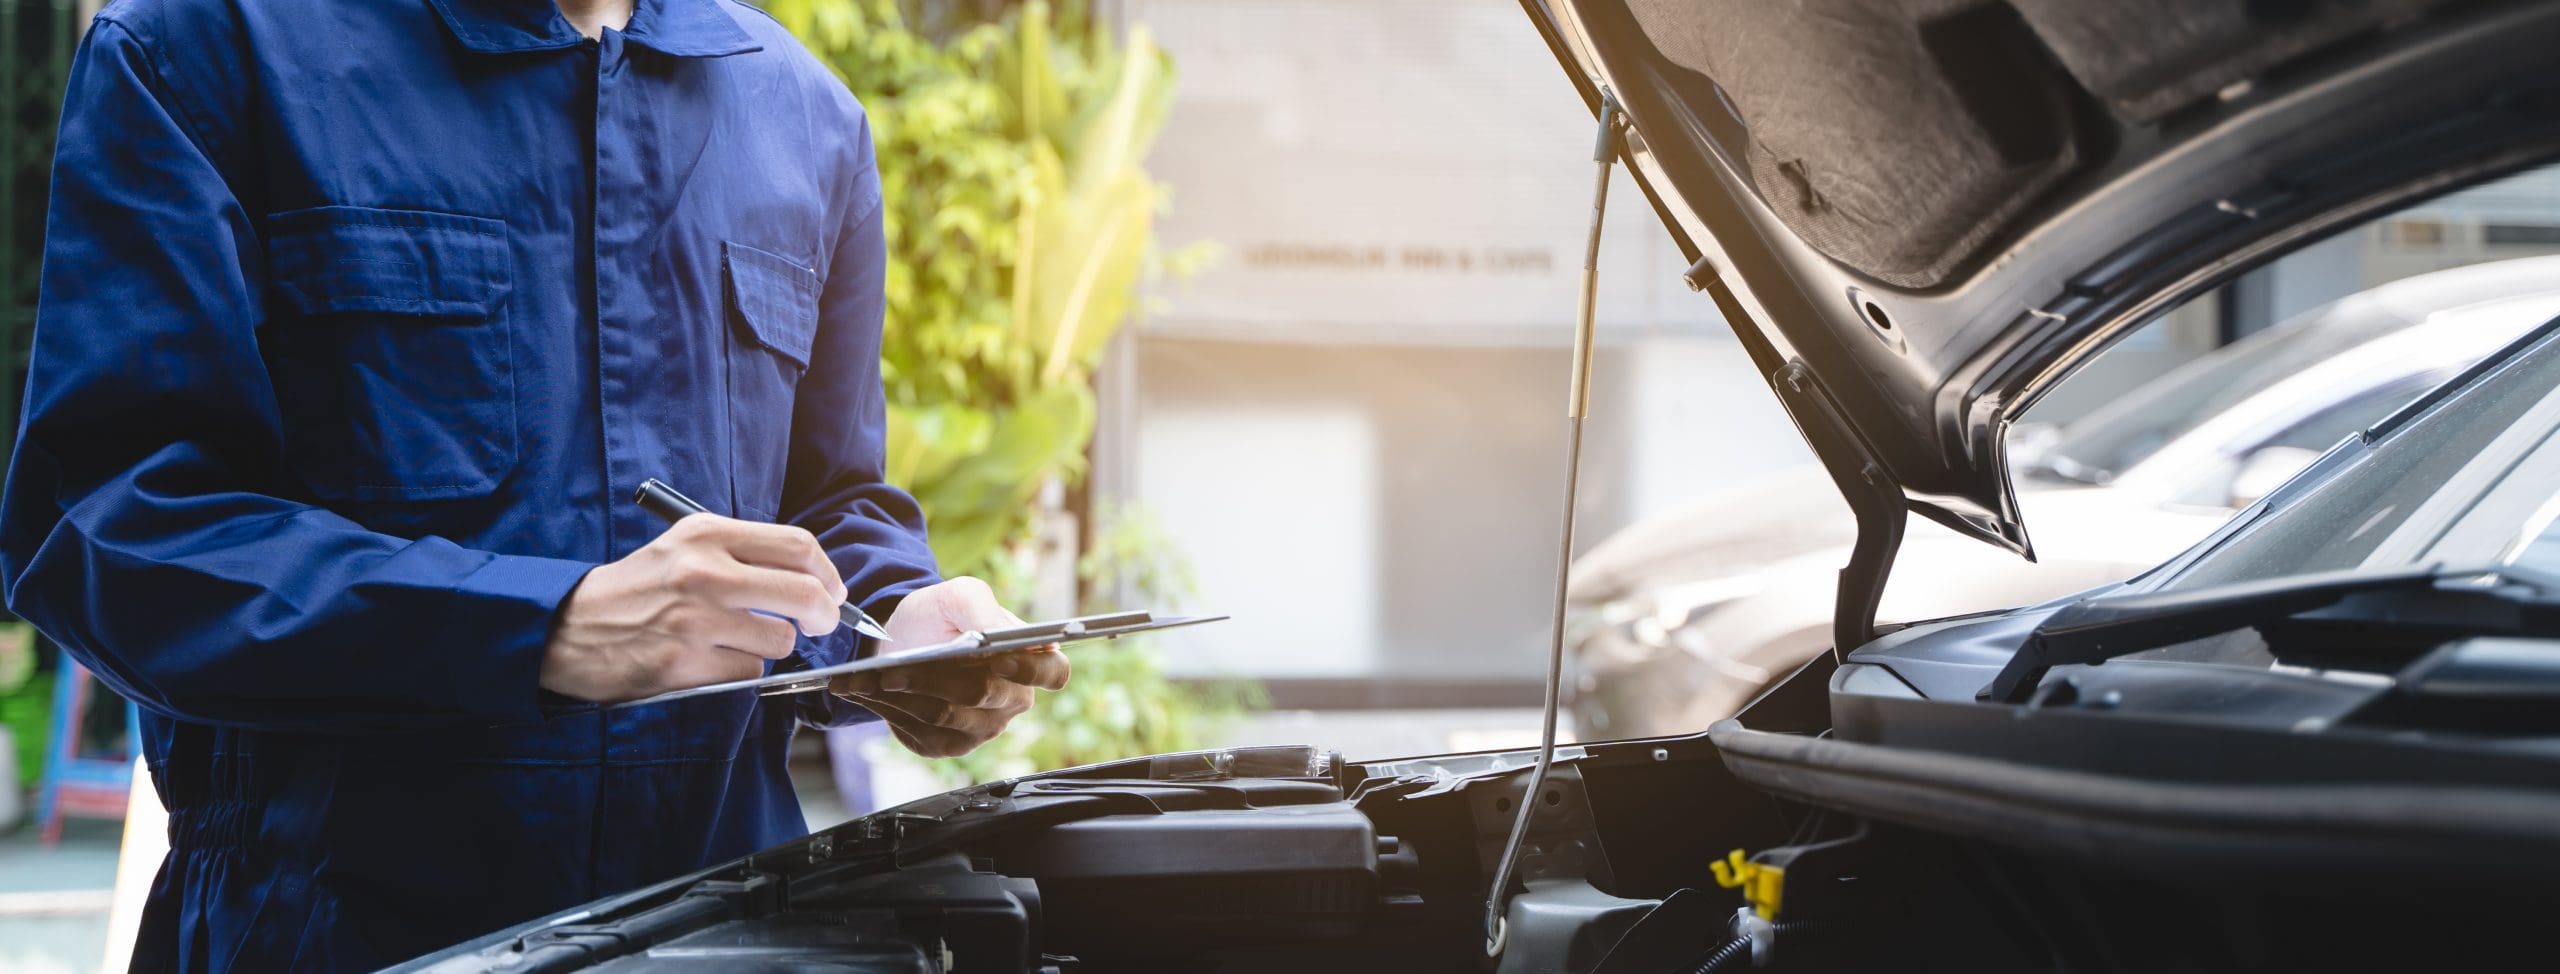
{"points": [[1873, 498], [2238, 833]]}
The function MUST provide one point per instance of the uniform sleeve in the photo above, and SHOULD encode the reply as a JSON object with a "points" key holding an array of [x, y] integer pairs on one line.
{"points": [[836, 485], [146, 525]]}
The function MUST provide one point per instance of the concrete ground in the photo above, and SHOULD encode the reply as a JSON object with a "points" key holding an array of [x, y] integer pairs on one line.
{"points": [[53, 899]]}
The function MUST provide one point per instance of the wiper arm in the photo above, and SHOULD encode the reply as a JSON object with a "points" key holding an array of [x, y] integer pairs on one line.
{"points": [[2101, 629]]}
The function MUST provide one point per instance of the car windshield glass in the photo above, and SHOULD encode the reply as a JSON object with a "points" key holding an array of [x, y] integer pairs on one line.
{"points": [[2472, 481], [2124, 432]]}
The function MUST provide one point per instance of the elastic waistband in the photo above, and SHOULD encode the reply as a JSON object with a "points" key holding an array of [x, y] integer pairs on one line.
{"points": [[215, 824]]}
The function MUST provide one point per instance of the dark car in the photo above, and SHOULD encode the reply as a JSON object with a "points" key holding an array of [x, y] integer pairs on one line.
{"points": [[1678, 621], [2326, 738]]}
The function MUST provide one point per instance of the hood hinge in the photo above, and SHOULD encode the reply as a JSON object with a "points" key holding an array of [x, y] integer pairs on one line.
{"points": [[1873, 498]]}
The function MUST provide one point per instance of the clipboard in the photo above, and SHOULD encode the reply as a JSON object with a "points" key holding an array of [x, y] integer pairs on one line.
{"points": [[971, 645]]}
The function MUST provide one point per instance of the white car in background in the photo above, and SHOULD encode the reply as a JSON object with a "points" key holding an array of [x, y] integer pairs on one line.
{"points": [[1679, 620]]}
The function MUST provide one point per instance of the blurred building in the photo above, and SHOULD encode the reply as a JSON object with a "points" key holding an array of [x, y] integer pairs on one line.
{"points": [[1353, 420], [1352, 423], [2514, 217]]}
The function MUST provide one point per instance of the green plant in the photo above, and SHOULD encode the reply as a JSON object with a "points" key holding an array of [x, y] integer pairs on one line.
{"points": [[36, 41], [26, 700], [1120, 704], [1019, 216]]}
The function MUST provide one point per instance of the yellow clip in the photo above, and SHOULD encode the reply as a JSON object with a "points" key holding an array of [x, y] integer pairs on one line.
{"points": [[1759, 884]]}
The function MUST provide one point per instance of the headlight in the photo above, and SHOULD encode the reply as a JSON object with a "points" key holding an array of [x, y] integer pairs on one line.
{"points": [[1654, 619], [1675, 606]]}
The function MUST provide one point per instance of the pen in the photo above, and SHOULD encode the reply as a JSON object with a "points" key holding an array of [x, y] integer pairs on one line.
{"points": [[659, 499]]}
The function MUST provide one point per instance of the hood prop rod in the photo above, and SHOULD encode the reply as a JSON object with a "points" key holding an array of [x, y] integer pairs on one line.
{"points": [[1604, 152]]}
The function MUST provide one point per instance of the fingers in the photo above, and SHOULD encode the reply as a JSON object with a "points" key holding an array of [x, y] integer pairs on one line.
{"points": [[924, 711], [709, 666], [725, 646], [950, 708], [852, 684], [988, 684], [933, 727], [934, 742], [800, 598], [705, 563], [761, 636], [1043, 667], [778, 546], [995, 683], [969, 605], [967, 685], [712, 600]]}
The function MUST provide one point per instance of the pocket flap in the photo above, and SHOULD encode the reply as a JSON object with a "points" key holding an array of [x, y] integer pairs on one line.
{"points": [[360, 259], [777, 300]]}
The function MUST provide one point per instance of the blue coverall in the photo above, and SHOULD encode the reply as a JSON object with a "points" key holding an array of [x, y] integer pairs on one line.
{"points": [[360, 321]]}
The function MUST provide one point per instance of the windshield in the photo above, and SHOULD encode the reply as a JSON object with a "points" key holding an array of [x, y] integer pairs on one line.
{"points": [[2473, 481], [2114, 437]]}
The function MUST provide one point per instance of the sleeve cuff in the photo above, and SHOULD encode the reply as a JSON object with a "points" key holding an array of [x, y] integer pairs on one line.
{"points": [[503, 612]]}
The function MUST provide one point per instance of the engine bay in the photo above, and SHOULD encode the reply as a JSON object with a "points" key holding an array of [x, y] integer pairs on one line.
{"points": [[1641, 856]]}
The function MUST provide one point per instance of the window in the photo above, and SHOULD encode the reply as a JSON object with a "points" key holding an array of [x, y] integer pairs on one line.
{"points": [[2520, 234], [2412, 233]]}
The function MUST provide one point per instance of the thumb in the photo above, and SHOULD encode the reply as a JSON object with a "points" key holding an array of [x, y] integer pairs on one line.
{"points": [[973, 606]]}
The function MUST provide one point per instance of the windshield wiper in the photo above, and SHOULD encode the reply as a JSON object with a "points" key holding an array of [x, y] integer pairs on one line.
{"points": [[2505, 600]]}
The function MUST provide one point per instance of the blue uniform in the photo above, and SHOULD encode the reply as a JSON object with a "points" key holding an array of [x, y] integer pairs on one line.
{"points": [[360, 321]]}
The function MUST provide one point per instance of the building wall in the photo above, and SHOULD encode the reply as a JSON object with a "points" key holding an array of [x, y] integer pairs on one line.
{"points": [[1352, 421], [1381, 510]]}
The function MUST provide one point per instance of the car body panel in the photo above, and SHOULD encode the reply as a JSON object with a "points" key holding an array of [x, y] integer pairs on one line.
{"points": [[2125, 204], [1652, 656], [2130, 826], [2511, 477]]}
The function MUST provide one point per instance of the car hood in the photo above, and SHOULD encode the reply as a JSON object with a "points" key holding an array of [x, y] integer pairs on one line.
{"points": [[1919, 215]]}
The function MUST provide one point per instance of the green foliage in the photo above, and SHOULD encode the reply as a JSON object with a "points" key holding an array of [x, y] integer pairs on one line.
{"points": [[1019, 216], [1120, 703], [17, 655], [36, 40], [26, 701]]}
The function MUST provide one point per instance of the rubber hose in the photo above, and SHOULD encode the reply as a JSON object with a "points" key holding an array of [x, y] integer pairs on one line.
{"points": [[1725, 957], [1738, 949]]}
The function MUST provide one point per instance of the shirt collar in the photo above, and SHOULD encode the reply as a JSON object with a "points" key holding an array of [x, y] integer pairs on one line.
{"points": [[681, 28]]}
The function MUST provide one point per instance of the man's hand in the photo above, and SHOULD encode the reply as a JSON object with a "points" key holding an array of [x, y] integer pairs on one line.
{"points": [[676, 613], [947, 709]]}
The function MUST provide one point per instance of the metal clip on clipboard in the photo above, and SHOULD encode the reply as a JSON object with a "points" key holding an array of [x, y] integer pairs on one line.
{"points": [[972, 645]]}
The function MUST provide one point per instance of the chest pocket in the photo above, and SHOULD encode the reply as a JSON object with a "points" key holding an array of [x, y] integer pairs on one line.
{"points": [[389, 344], [773, 316]]}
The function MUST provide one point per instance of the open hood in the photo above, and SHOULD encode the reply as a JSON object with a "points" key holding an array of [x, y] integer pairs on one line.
{"points": [[1919, 215]]}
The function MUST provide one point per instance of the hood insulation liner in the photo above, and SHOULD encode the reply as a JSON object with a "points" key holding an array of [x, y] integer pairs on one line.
{"points": [[1990, 105]]}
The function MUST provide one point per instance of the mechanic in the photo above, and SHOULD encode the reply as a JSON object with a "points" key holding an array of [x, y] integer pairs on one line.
{"points": [[360, 321]]}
